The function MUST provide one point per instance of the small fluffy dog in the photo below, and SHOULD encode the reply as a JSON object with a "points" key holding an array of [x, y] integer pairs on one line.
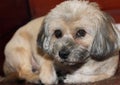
{"points": [[75, 35]]}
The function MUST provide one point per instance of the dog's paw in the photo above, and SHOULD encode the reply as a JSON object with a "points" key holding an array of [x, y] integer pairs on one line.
{"points": [[32, 79], [48, 79], [68, 79], [71, 79]]}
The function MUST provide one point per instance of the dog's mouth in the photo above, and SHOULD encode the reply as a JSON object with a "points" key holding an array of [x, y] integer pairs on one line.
{"points": [[65, 62], [71, 63]]}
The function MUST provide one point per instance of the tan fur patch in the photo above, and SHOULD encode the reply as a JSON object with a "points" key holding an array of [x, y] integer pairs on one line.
{"points": [[40, 51], [20, 50], [26, 35]]}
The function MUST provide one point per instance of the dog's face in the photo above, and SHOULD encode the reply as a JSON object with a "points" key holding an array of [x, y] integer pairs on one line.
{"points": [[76, 30]]}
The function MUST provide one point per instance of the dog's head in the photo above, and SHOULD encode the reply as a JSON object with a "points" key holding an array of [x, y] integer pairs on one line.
{"points": [[76, 30]]}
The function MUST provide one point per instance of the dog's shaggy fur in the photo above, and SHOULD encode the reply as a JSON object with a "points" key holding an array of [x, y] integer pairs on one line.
{"points": [[74, 34]]}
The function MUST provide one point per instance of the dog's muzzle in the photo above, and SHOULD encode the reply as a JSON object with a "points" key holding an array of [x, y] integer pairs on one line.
{"points": [[73, 56]]}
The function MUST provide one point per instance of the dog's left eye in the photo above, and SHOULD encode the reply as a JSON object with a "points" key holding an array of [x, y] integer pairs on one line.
{"points": [[80, 33]]}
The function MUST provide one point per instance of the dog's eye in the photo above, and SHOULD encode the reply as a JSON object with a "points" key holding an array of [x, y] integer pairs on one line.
{"points": [[58, 33], [80, 33]]}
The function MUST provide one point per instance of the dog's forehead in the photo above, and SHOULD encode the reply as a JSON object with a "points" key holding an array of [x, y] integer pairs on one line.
{"points": [[71, 11]]}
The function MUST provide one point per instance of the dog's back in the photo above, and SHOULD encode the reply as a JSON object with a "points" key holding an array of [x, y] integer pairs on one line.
{"points": [[18, 49]]}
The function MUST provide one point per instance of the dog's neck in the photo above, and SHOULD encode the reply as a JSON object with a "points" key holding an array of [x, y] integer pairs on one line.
{"points": [[62, 69]]}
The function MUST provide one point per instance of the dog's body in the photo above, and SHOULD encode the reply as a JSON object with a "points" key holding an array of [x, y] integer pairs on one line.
{"points": [[23, 55], [70, 38]]}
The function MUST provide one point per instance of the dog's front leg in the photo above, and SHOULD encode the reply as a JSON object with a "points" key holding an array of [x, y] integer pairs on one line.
{"points": [[94, 71], [83, 78], [47, 72]]}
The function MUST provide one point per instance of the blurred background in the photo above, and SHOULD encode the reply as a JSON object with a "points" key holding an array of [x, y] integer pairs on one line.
{"points": [[16, 13]]}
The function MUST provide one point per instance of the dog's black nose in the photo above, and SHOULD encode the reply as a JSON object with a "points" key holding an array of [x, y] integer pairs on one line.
{"points": [[64, 53]]}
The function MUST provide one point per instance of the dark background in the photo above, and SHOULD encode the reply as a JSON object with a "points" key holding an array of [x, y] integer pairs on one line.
{"points": [[15, 13]]}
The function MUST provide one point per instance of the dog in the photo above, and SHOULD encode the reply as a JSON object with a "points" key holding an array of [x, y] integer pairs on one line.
{"points": [[75, 35]]}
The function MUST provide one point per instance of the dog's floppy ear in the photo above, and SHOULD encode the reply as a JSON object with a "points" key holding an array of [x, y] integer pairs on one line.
{"points": [[43, 38], [106, 39]]}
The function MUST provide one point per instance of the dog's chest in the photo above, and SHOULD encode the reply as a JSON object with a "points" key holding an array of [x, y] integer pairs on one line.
{"points": [[62, 70]]}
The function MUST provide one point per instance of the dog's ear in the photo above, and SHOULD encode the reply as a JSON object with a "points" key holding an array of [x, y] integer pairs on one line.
{"points": [[41, 36], [43, 39], [106, 39]]}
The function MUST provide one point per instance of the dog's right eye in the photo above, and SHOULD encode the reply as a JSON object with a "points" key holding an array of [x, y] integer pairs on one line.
{"points": [[58, 33]]}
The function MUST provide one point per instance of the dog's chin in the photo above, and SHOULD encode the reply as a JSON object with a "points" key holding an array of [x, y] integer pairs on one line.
{"points": [[70, 63], [67, 62]]}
